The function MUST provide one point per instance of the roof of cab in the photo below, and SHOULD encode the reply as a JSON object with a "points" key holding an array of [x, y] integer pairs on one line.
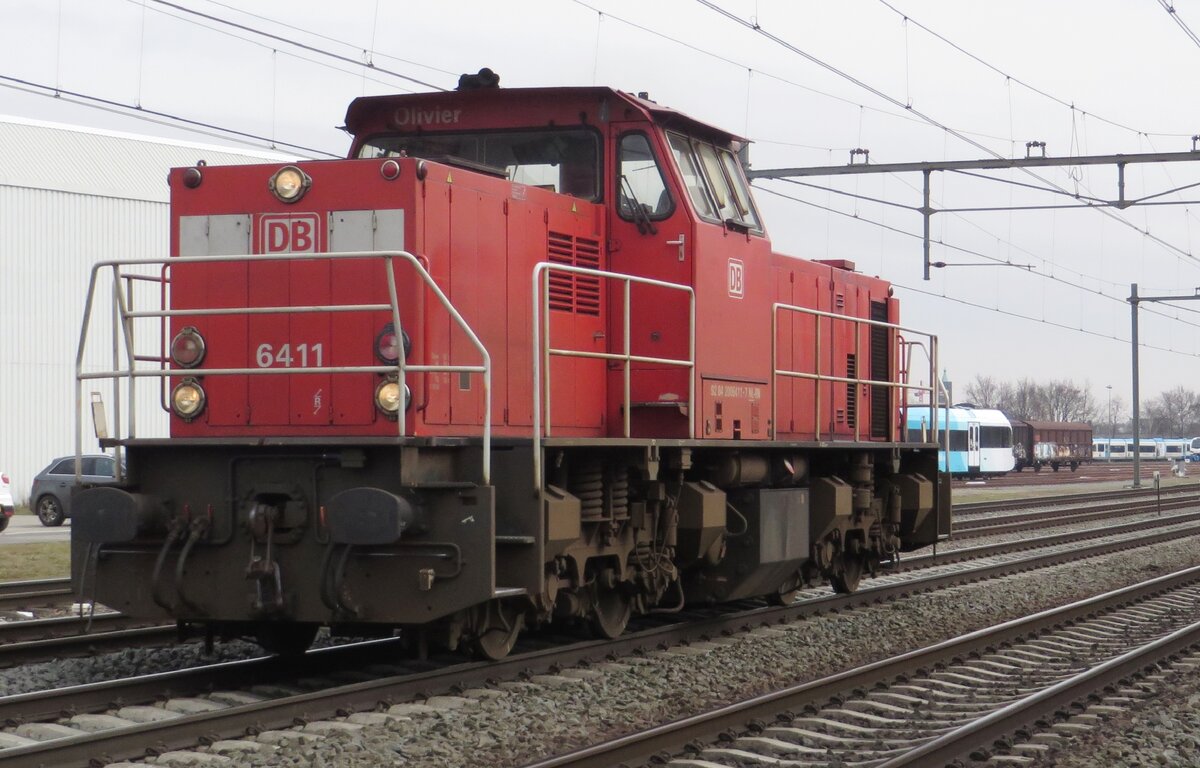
{"points": [[513, 107]]}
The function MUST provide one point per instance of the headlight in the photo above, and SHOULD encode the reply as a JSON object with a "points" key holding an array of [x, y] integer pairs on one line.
{"points": [[187, 348], [387, 345], [187, 399], [387, 397], [289, 183]]}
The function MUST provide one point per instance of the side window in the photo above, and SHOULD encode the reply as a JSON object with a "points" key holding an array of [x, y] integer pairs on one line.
{"points": [[681, 148], [640, 179], [741, 194], [104, 466], [64, 467], [717, 181]]}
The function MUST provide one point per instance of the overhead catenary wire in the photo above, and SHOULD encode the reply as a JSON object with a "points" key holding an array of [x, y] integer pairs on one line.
{"points": [[756, 28], [294, 43], [1182, 25], [956, 212], [975, 253], [1043, 321], [150, 115], [1019, 81], [732, 62], [372, 51]]}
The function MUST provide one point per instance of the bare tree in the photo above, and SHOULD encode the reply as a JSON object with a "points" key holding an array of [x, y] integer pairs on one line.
{"points": [[984, 392], [1174, 412], [1021, 400], [1063, 400]]}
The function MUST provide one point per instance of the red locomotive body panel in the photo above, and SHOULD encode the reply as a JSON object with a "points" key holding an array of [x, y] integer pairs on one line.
{"points": [[480, 242]]}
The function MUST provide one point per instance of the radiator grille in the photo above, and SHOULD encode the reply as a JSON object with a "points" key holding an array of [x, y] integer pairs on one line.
{"points": [[851, 391], [569, 292], [881, 370]]}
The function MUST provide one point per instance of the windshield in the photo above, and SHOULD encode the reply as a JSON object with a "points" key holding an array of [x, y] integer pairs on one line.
{"points": [[714, 182], [565, 161]]}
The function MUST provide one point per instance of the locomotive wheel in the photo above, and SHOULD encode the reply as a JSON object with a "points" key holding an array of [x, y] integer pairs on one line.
{"points": [[288, 640], [845, 580], [611, 610], [497, 625]]}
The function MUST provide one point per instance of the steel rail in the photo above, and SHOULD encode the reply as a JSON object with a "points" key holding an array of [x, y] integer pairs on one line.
{"points": [[94, 697], [638, 747], [64, 626], [23, 594], [961, 742], [981, 507], [63, 646], [988, 526]]}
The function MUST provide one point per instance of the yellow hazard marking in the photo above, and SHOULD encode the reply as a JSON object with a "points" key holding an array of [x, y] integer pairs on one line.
{"points": [[574, 208], [449, 178]]}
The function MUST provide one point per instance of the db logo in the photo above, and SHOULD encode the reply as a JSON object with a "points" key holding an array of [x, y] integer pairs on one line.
{"points": [[295, 233], [737, 278]]}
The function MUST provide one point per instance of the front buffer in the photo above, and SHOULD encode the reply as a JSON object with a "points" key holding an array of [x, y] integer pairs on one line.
{"points": [[243, 539]]}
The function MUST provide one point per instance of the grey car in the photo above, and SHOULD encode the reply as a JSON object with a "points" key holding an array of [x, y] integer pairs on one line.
{"points": [[51, 494]]}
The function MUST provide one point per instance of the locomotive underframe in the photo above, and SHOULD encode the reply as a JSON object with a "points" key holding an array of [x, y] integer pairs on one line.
{"points": [[245, 537]]}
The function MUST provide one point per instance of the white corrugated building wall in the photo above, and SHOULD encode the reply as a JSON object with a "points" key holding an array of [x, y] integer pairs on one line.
{"points": [[71, 197]]}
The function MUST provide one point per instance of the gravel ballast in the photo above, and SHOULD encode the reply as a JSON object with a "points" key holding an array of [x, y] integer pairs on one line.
{"points": [[517, 722]]}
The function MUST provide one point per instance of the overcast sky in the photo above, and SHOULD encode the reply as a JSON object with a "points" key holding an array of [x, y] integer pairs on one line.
{"points": [[909, 80]]}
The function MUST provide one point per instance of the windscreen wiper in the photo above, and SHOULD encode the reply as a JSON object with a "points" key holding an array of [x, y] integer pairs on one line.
{"points": [[640, 215]]}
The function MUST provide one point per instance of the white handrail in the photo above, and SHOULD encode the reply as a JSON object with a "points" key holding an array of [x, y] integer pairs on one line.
{"points": [[817, 376], [543, 350], [124, 315]]}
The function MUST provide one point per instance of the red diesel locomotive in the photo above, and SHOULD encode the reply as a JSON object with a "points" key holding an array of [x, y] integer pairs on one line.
{"points": [[526, 355]]}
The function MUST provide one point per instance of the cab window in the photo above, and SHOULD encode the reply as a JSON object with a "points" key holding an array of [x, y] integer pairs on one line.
{"points": [[693, 180], [740, 190], [640, 180], [562, 160], [715, 182]]}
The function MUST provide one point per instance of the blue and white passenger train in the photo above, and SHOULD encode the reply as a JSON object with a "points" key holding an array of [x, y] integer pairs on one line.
{"points": [[981, 439]]}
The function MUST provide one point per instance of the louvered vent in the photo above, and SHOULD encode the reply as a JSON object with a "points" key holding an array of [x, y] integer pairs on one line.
{"points": [[570, 292], [851, 390]]}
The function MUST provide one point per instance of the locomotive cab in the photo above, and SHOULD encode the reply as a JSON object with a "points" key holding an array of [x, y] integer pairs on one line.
{"points": [[525, 355]]}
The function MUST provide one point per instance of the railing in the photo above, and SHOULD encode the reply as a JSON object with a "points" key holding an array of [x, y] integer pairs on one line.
{"points": [[818, 377], [124, 317], [543, 350], [930, 355]]}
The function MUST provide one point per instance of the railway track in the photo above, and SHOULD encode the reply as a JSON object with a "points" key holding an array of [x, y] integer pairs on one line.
{"points": [[949, 702], [1026, 502], [1095, 471], [30, 640], [281, 705], [989, 525], [41, 644], [29, 594]]}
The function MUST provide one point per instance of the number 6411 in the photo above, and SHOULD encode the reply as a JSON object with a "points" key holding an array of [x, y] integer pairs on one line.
{"points": [[285, 356]]}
